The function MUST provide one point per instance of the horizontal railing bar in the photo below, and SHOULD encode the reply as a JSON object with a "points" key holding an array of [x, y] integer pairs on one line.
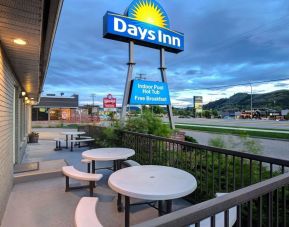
{"points": [[245, 155], [201, 211]]}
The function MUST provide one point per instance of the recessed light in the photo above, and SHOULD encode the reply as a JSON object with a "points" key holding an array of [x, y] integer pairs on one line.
{"points": [[21, 42]]}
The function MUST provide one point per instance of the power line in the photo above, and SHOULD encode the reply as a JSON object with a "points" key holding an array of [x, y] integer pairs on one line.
{"points": [[240, 84]]}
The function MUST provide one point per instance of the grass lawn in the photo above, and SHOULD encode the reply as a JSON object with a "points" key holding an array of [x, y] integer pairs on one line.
{"points": [[239, 127], [270, 135]]}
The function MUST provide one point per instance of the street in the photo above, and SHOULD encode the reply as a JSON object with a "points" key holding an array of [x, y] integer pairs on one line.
{"points": [[265, 124]]}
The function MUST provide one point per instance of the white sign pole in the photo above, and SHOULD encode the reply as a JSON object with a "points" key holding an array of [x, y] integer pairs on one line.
{"points": [[128, 82], [164, 79]]}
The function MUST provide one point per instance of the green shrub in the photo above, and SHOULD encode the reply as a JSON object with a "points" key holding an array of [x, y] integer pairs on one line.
{"points": [[70, 126], [217, 142], [190, 139], [148, 124], [37, 126], [252, 146], [107, 137], [244, 143]]}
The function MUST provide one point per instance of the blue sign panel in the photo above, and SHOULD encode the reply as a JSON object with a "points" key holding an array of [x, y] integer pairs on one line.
{"points": [[125, 28], [149, 93]]}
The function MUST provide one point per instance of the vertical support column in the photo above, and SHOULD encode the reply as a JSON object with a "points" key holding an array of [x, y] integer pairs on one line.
{"points": [[66, 183], [164, 79], [128, 82], [127, 211], [48, 110], [29, 119], [93, 170]]}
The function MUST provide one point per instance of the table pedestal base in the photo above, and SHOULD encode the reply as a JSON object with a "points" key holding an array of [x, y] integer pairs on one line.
{"points": [[160, 208]]}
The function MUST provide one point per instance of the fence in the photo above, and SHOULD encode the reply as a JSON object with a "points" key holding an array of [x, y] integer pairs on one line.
{"points": [[218, 170]]}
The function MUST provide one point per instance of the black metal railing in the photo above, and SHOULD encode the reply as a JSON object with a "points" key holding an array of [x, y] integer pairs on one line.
{"points": [[216, 170], [264, 191]]}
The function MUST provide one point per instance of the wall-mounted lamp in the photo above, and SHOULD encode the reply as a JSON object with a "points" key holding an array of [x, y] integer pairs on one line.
{"points": [[26, 98], [33, 102], [23, 93], [20, 42]]}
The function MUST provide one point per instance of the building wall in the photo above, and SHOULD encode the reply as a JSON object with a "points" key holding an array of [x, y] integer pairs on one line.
{"points": [[6, 133], [9, 100]]}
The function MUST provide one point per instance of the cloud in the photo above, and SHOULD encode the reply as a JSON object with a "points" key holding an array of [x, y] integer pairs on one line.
{"points": [[281, 85], [226, 43], [192, 72]]}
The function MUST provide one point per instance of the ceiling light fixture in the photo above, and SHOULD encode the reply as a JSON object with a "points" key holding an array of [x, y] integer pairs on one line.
{"points": [[19, 41]]}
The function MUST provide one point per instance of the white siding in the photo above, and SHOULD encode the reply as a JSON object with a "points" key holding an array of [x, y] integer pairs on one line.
{"points": [[7, 86], [6, 124]]}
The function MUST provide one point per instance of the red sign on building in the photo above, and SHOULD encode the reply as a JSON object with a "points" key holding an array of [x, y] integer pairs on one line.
{"points": [[109, 102]]}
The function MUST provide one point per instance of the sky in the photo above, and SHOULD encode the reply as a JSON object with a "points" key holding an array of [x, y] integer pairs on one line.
{"points": [[226, 43]]}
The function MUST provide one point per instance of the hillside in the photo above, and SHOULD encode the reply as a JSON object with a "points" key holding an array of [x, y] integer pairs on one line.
{"points": [[277, 100]]}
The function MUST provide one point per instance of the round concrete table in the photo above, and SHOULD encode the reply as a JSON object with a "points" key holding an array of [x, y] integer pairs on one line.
{"points": [[72, 134], [157, 183], [115, 154], [108, 154]]}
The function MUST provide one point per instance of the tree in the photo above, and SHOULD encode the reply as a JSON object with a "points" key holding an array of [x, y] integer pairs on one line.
{"points": [[206, 114], [158, 110], [112, 116], [215, 113], [89, 110]]}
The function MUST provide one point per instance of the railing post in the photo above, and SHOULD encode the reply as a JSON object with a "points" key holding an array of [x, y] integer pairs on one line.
{"points": [[270, 209], [122, 138], [89, 132], [239, 216], [150, 152]]}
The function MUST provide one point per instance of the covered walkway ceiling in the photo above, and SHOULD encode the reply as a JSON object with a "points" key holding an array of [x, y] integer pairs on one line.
{"points": [[34, 22]]}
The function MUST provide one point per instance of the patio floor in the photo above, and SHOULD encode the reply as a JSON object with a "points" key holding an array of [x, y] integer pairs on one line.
{"points": [[45, 203]]}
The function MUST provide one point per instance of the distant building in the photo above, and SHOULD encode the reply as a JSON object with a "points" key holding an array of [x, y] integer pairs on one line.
{"points": [[284, 112], [198, 104], [54, 108], [228, 114]]}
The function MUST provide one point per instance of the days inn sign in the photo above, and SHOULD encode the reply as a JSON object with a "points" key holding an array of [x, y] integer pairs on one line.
{"points": [[146, 23]]}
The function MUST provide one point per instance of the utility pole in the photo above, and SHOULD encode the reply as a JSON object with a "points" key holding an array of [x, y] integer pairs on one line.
{"points": [[165, 80], [92, 96], [251, 101], [125, 100], [141, 76]]}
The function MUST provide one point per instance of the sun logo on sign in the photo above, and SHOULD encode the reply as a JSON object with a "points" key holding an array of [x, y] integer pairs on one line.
{"points": [[148, 11]]}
